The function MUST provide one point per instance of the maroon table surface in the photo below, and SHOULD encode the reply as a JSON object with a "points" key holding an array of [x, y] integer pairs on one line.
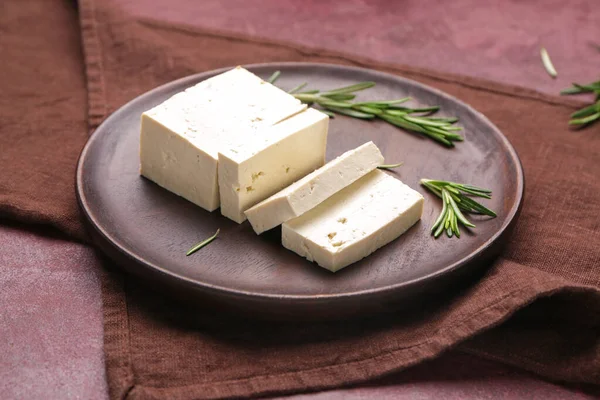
{"points": [[50, 303]]}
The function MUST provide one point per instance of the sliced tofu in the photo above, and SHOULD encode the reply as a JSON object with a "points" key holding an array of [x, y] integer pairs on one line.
{"points": [[354, 222], [270, 160], [180, 139], [313, 189]]}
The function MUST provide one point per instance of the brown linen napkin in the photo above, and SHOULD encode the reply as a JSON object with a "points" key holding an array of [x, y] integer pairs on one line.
{"points": [[158, 349], [43, 108]]}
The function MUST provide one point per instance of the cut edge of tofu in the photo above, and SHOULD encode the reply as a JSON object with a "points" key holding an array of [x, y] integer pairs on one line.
{"points": [[154, 170], [262, 169], [350, 252], [282, 206]]}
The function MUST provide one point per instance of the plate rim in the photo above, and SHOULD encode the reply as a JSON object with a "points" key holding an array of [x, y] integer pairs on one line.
{"points": [[208, 287]]}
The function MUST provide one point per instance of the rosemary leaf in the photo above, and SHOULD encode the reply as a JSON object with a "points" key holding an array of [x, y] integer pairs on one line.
{"points": [[548, 63], [351, 89], [586, 111], [570, 91], [333, 103], [390, 166], [397, 113], [309, 92], [448, 120], [340, 96], [382, 104], [590, 87], [440, 228], [470, 205], [306, 97], [350, 112], [425, 121], [456, 230], [586, 120], [449, 215], [471, 187], [457, 212], [202, 243], [577, 88], [432, 188], [440, 218], [425, 109], [401, 123], [328, 113], [451, 189], [297, 88], [475, 191], [369, 110], [589, 114], [273, 78], [454, 137]]}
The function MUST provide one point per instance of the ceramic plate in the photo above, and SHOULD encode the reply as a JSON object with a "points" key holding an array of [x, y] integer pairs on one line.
{"points": [[148, 230]]}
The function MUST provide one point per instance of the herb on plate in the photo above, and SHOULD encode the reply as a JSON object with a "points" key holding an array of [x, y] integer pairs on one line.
{"points": [[456, 200], [390, 166], [202, 243], [419, 120], [588, 114]]}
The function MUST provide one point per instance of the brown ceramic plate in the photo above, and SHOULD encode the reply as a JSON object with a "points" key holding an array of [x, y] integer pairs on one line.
{"points": [[148, 230]]}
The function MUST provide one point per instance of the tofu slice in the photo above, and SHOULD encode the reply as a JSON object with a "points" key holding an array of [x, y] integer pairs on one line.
{"points": [[354, 222], [180, 139], [270, 160], [313, 189]]}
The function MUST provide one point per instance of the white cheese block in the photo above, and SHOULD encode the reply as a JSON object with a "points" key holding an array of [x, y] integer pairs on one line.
{"points": [[313, 189], [180, 139], [270, 160], [354, 222]]}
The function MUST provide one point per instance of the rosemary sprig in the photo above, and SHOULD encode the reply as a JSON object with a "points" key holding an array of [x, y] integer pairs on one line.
{"points": [[202, 243], [339, 101], [455, 201], [548, 63], [588, 114], [390, 166]]}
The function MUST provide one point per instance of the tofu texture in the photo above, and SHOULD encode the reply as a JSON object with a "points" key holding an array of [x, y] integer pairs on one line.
{"points": [[354, 222], [180, 139], [270, 160], [310, 191]]}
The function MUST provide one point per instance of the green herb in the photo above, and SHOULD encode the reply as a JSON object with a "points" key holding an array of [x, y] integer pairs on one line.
{"points": [[297, 88], [274, 77], [587, 114], [202, 243], [456, 200], [339, 101], [390, 166], [548, 63]]}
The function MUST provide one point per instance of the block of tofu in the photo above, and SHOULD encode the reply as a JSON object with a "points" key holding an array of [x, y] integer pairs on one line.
{"points": [[354, 222], [180, 139], [314, 188], [270, 160]]}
